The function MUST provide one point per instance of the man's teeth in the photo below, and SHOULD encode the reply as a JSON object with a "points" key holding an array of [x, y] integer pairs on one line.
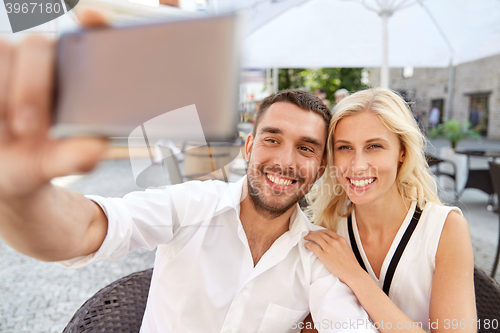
{"points": [[361, 183], [279, 181]]}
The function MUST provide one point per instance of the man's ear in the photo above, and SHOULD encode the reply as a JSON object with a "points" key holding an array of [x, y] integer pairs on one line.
{"points": [[322, 167], [248, 146]]}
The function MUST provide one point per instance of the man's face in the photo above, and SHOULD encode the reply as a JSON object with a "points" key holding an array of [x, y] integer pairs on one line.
{"points": [[285, 157]]}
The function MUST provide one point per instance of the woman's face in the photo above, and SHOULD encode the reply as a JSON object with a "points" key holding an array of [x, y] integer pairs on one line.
{"points": [[366, 156]]}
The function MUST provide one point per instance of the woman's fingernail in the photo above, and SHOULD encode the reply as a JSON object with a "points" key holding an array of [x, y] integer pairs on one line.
{"points": [[26, 120]]}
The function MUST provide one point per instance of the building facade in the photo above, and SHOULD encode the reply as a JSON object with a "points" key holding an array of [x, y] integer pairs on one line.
{"points": [[475, 94]]}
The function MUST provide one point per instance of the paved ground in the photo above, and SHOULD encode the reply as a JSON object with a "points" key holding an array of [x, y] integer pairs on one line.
{"points": [[42, 297]]}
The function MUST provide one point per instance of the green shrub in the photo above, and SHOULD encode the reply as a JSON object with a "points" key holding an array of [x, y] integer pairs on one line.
{"points": [[454, 131]]}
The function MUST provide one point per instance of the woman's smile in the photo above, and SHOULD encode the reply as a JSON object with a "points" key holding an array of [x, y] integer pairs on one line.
{"points": [[361, 183]]}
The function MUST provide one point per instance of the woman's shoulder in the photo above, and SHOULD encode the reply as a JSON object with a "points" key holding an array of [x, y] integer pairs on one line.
{"points": [[455, 246], [436, 212], [449, 219], [456, 226], [444, 228]]}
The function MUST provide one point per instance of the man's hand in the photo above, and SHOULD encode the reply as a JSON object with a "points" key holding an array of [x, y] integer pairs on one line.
{"points": [[31, 209], [29, 158]]}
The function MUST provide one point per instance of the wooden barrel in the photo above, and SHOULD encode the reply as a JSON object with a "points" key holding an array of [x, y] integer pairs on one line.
{"points": [[203, 159]]}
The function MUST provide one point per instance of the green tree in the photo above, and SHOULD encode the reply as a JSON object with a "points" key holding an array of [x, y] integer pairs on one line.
{"points": [[291, 78], [328, 79]]}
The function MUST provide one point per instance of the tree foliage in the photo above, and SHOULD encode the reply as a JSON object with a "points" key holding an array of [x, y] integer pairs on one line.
{"points": [[328, 79]]}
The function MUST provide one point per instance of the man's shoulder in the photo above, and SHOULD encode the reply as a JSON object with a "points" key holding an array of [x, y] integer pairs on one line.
{"points": [[312, 265], [202, 184], [208, 189], [315, 227], [304, 220], [200, 200]]}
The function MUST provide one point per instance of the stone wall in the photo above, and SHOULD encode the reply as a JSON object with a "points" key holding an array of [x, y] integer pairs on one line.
{"points": [[427, 84]]}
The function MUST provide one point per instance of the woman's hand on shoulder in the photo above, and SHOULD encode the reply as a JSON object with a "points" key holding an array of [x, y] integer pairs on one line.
{"points": [[335, 253], [452, 295]]}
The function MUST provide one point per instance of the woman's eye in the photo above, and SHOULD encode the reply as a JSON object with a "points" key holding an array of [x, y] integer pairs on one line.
{"points": [[375, 146], [343, 147]]}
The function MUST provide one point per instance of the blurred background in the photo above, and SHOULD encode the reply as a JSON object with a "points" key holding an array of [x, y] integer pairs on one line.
{"points": [[442, 56]]}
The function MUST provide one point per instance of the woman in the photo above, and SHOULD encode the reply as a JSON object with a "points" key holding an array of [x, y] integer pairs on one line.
{"points": [[379, 204]]}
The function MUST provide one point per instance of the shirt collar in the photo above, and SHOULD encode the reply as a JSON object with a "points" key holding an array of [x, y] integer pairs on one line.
{"points": [[299, 223], [232, 197]]}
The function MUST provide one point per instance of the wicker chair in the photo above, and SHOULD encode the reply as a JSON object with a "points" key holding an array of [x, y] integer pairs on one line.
{"points": [[487, 300], [119, 307], [495, 178], [434, 161]]}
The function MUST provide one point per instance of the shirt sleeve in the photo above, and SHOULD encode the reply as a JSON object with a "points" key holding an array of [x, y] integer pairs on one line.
{"points": [[145, 219], [334, 307], [141, 219]]}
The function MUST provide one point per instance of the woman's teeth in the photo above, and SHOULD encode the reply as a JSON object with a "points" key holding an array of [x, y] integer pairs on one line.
{"points": [[279, 181], [361, 183]]}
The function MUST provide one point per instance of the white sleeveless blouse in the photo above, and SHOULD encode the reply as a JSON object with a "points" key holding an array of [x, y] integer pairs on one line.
{"points": [[411, 285]]}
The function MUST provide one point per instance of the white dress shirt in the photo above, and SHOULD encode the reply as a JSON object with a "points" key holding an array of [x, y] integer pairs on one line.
{"points": [[204, 279]]}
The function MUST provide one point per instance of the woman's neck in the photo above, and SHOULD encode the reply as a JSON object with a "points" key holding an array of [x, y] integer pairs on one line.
{"points": [[381, 216]]}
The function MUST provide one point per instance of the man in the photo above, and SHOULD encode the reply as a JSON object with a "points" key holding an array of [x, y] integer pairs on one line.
{"points": [[321, 94], [434, 117], [474, 117], [226, 261], [340, 95]]}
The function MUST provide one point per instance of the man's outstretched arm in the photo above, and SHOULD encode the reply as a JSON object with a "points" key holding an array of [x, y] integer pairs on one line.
{"points": [[53, 224], [37, 218]]}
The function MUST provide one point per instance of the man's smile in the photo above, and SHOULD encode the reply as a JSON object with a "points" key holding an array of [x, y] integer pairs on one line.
{"points": [[278, 181]]}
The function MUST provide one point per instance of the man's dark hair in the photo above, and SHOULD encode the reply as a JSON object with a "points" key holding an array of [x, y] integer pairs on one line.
{"points": [[302, 99]]}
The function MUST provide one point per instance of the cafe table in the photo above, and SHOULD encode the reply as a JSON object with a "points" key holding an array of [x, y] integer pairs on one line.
{"points": [[480, 178]]}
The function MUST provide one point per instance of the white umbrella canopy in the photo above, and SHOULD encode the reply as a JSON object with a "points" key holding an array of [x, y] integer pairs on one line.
{"points": [[349, 33]]}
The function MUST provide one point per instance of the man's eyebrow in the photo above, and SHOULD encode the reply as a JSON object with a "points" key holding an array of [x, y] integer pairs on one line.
{"points": [[276, 130], [311, 140], [272, 130]]}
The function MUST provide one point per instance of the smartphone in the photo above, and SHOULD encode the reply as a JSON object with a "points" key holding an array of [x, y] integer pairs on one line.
{"points": [[114, 82]]}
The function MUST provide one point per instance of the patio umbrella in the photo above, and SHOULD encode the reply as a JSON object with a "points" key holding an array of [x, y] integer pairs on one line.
{"points": [[368, 33]]}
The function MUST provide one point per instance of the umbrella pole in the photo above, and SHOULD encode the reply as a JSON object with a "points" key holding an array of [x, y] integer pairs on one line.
{"points": [[451, 89], [384, 68], [269, 83], [276, 74]]}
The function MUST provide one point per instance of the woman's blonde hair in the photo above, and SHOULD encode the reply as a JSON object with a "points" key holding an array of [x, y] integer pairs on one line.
{"points": [[328, 202]]}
